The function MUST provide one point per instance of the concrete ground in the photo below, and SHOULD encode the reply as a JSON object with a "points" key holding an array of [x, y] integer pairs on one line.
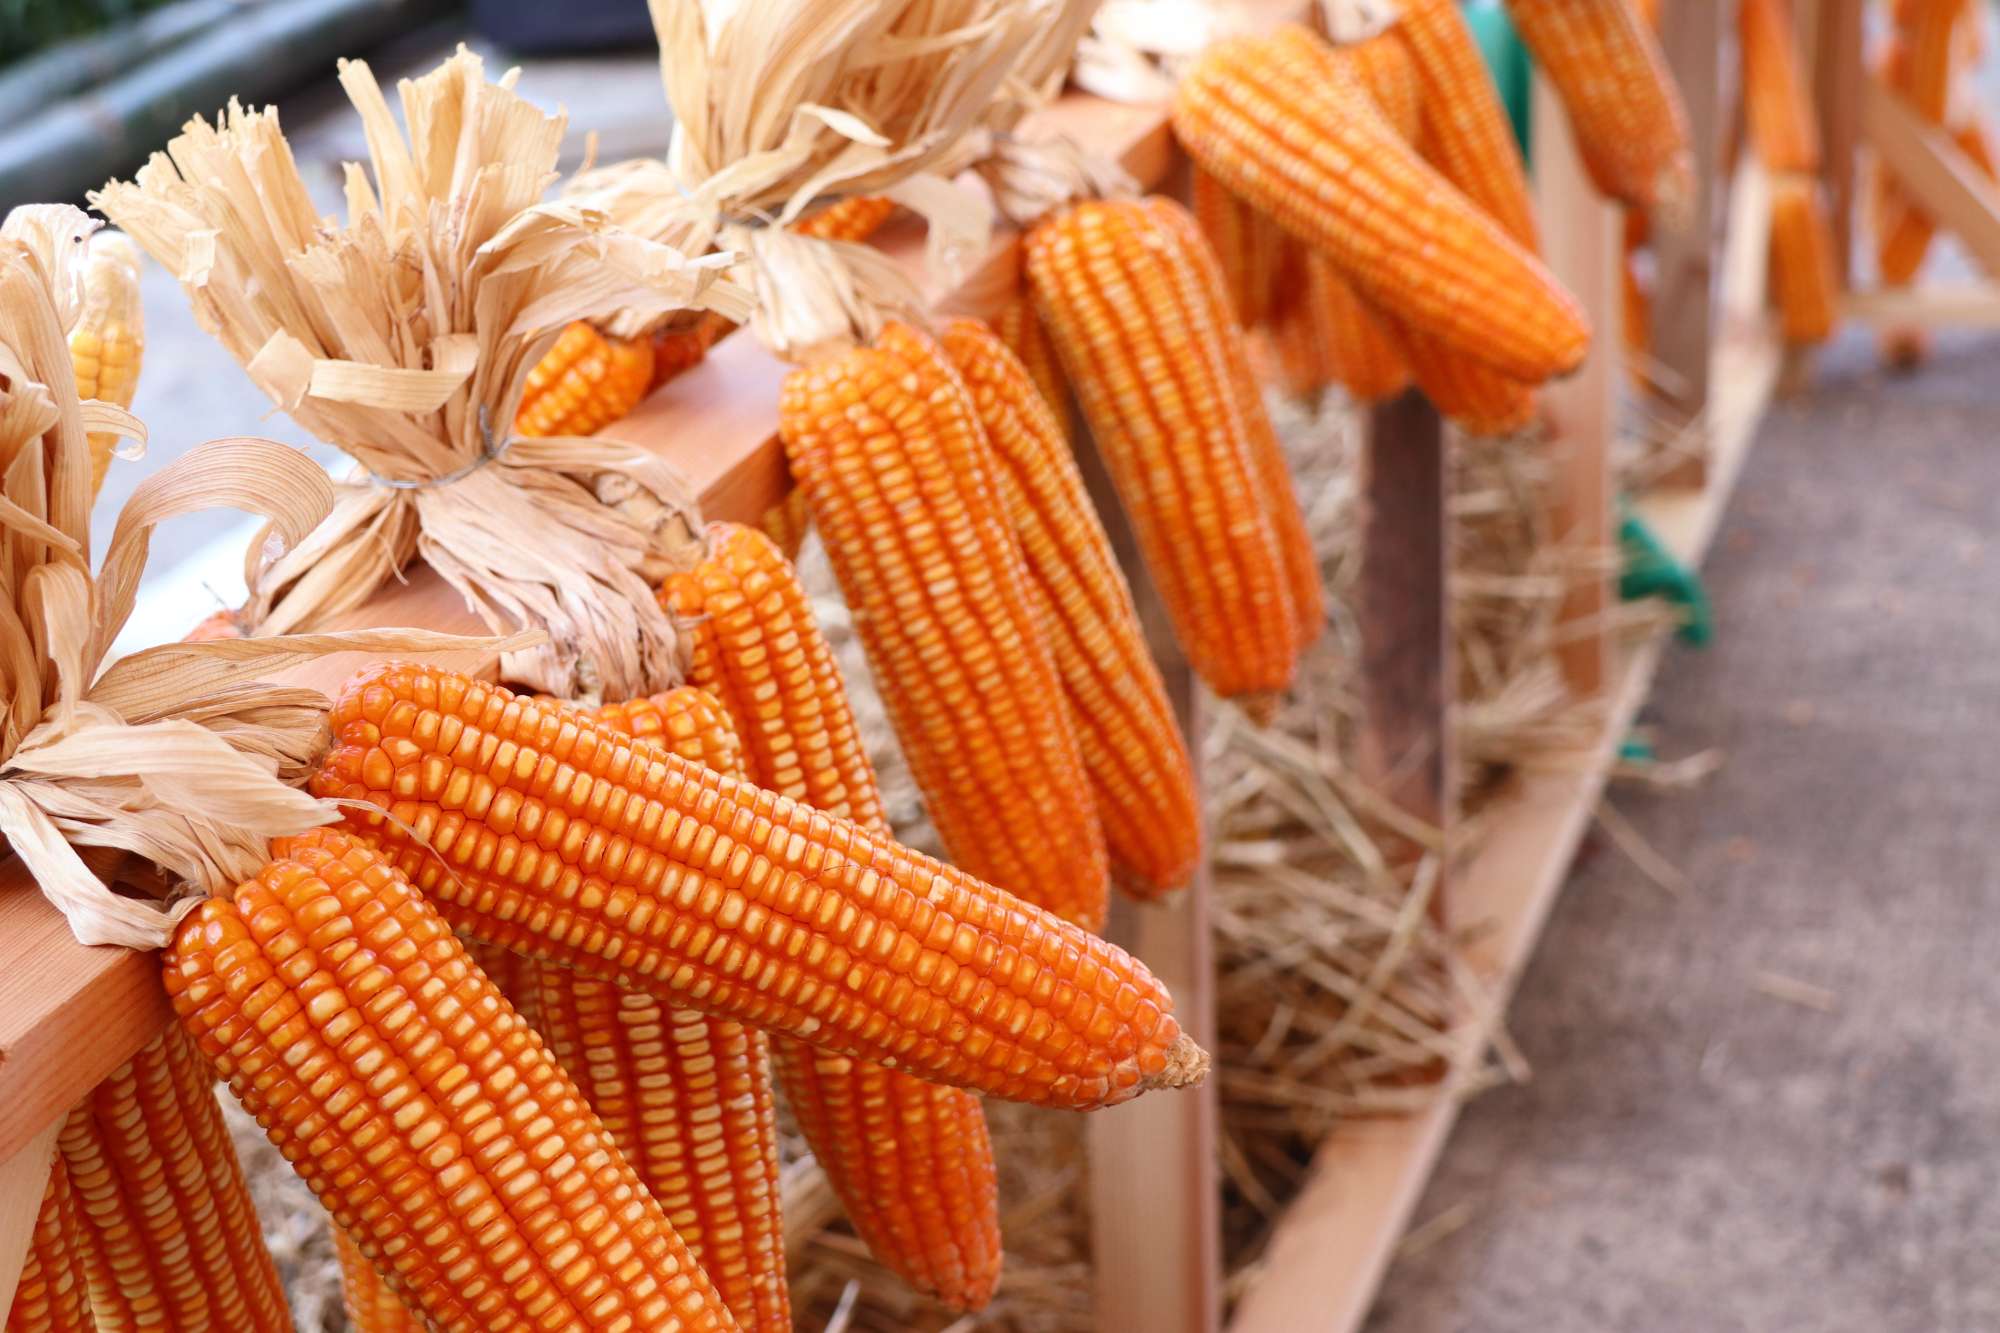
{"points": [[1769, 1103]]}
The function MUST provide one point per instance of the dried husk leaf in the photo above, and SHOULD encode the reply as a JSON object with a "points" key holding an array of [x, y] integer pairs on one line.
{"points": [[404, 336], [179, 757]]}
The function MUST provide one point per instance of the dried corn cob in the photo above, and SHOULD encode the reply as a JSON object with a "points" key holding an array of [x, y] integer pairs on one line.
{"points": [[1248, 245], [1267, 456], [1133, 754], [372, 1307], [1141, 340], [1783, 128], [1388, 72], [1465, 133], [53, 1295], [886, 446], [1285, 123], [423, 1112], [1637, 309], [687, 1098], [1022, 330], [584, 383], [1630, 125], [1803, 279], [910, 1161], [555, 837], [1480, 401], [109, 340], [1929, 37], [787, 522], [172, 1241]]}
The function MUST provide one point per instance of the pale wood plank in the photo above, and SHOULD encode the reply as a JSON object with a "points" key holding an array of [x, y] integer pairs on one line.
{"points": [[1939, 177], [1583, 239], [1971, 305], [24, 1174], [1699, 41]]}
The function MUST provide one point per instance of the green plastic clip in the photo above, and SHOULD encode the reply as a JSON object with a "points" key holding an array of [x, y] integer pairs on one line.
{"points": [[1650, 570]]}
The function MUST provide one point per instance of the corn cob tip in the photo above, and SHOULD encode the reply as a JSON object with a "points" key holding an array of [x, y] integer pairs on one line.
{"points": [[1261, 708], [1186, 1067]]}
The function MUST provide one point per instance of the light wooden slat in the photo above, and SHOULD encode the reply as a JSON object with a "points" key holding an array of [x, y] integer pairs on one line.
{"points": [[1974, 305], [1940, 179], [1337, 1240], [1698, 39], [1582, 236], [24, 1174]]}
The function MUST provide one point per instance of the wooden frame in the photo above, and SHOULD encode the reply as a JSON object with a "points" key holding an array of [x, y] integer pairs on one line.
{"points": [[68, 1015]]}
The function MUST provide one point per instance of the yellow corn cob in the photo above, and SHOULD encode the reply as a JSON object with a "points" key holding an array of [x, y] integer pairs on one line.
{"points": [[1022, 330], [1133, 754], [910, 1161], [1267, 456], [1803, 279], [1248, 245], [687, 1098], [555, 837], [886, 446], [1285, 123], [109, 339], [427, 1117], [1783, 128], [172, 1241], [1465, 132], [1479, 400], [372, 1307], [1929, 38], [1388, 72], [584, 383], [53, 1295], [1630, 124], [787, 522], [1131, 316]]}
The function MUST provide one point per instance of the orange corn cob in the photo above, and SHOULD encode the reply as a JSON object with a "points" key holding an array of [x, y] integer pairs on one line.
{"points": [[1022, 330], [172, 1241], [1249, 246], [687, 1098], [853, 220], [1141, 339], [1465, 132], [1803, 280], [910, 1161], [584, 383], [1140, 775], [1637, 309], [109, 339], [1929, 39], [886, 445], [427, 1117], [1286, 124], [787, 522], [53, 1295], [1783, 128], [1479, 400], [1631, 127], [372, 1306], [1388, 72], [1267, 456], [555, 837]]}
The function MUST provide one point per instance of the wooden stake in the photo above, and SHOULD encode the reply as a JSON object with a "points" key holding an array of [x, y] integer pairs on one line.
{"points": [[1838, 75]]}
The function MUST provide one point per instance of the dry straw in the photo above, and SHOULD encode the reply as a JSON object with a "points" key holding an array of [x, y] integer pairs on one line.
{"points": [[404, 336], [177, 755]]}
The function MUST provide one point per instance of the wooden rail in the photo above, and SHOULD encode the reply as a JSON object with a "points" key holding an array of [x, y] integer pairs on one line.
{"points": [[68, 1015]]}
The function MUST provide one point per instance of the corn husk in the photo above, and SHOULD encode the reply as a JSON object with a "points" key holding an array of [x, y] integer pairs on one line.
{"points": [[177, 755], [404, 336]]}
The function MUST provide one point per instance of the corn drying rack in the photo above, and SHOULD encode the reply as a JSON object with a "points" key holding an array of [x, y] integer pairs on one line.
{"points": [[70, 1014]]}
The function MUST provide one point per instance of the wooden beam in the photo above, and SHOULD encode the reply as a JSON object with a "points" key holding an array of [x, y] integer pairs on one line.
{"points": [[1699, 40], [1973, 305], [1836, 69], [24, 1174], [1583, 238], [1940, 178]]}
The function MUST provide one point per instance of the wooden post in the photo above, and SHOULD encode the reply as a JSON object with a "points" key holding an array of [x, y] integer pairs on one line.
{"points": [[1838, 76], [1582, 237], [1700, 43], [1404, 604], [23, 1177]]}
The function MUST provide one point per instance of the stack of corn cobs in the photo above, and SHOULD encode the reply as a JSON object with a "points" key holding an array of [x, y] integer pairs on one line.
{"points": [[517, 1021]]}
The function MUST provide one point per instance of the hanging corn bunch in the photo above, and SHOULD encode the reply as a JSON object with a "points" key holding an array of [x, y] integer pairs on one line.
{"points": [[1784, 135]]}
